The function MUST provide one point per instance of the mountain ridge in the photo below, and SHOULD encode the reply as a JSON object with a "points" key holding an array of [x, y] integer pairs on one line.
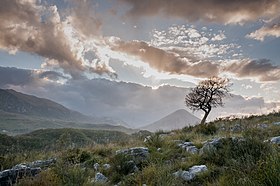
{"points": [[21, 113], [175, 120]]}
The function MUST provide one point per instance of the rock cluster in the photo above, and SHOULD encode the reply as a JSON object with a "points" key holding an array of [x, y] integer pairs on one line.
{"points": [[137, 154], [189, 147], [10, 176], [191, 173]]}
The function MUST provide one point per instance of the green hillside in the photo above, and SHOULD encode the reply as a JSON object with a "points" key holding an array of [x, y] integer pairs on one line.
{"points": [[232, 151], [54, 139]]}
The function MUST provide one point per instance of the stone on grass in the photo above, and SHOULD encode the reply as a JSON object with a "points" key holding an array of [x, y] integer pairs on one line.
{"points": [[100, 178], [96, 166], [275, 140], [191, 173], [192, 149]]}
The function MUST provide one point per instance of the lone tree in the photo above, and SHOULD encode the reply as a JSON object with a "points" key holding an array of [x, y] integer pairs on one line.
{"points": [[208, 94]]}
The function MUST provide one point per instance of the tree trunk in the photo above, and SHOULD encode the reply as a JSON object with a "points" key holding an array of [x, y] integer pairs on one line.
{"points": [[204, 117]]}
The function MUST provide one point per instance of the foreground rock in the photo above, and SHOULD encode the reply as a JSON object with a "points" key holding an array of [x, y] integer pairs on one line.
{"points": [[275, 140], [211, 145], [137, 154], [189, 147], [191, 173], [10, 176], [100, 178]]}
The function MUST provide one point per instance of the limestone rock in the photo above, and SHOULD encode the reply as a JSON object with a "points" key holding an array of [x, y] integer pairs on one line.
{"points": [[100, 178]]}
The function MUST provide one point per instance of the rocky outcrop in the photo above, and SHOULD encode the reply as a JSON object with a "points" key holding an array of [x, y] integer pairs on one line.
{"points": [[137, 154], [10, 176], [191, 173]]}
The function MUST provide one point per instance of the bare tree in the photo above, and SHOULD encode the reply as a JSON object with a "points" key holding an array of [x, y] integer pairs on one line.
{"points": [[208, 94]]}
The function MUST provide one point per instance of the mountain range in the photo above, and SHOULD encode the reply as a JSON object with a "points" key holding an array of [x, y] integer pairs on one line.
{"points": [[22, 113]]}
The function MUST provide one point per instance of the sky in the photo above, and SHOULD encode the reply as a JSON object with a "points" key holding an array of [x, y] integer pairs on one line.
{"points": [[49, 46]]}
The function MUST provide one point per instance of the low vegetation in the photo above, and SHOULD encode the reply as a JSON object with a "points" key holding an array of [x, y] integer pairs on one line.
{"points": [[242, 156]]}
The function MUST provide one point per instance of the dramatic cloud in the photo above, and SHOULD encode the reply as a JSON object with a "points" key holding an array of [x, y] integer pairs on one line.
{"points": [[166, 61], [262, 69], [14, 76], [187, 51], [266, 31], [84, 19], [222, 11], [34, 28], [11, 76]]}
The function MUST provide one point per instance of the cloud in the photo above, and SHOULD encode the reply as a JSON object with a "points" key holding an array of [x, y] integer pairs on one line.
{"points": [[195, 42], [222, 11], [175, 52], [14, 76], [262, 69], [266, 31], [11, 76], [165, 61], [84, 18], [35, 28]]}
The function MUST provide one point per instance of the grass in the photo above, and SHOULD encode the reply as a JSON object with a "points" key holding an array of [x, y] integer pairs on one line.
{"points": [[242, 158]]}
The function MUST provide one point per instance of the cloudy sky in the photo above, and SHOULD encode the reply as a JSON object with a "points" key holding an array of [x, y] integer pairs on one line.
{"points": [[59, 48]]}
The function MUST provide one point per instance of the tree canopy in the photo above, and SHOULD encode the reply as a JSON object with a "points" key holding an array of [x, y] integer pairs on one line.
{"points": [[208, 94]]}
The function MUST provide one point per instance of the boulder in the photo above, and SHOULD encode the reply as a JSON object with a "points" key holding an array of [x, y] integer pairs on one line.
{"points": [[42, 163], [210, 145], [192, 149], [277, 123], [137, 154], [24, 169], [188, 146], [96, 166], [197, 169], [191, 173], [275, 140], [12, 175], [100, 178]]}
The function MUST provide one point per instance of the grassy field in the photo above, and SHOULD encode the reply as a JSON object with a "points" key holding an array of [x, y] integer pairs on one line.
{"points": [[245, 161]]}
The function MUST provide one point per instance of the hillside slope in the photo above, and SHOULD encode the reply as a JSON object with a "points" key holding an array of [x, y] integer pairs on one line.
{"points": [[176, 120], [21, 113], [15, 102]]}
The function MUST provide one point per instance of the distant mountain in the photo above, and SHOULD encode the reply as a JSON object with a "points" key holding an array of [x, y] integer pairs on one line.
{"points": [[19, 103], [175, 120], [21, 113]]}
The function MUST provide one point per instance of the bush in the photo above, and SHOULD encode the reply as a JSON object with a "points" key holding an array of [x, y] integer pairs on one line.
{"points": [[155, 141]]}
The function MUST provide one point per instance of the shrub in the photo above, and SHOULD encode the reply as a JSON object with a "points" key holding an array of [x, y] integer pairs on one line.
{"points": [[155, 141]]}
